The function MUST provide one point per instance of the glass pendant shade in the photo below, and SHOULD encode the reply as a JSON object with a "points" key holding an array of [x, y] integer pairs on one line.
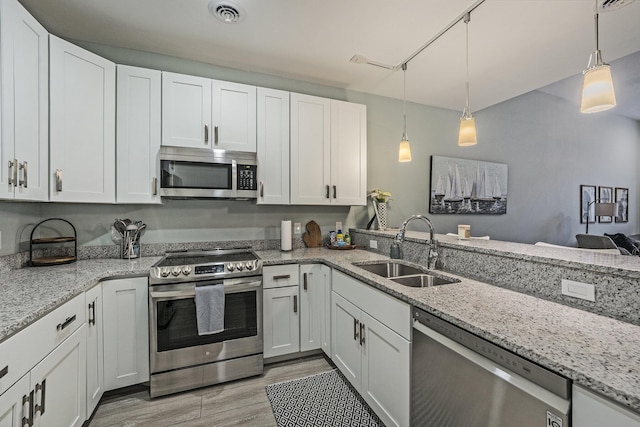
{"points": [[467, 135], [404, 153], [597, 90]]}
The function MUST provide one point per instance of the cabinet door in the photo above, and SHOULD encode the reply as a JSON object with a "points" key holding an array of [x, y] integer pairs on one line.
{"points": [[281, 321], [82, 125], [186, 111], [11, 405], [345, 336], [348, 153], [95, 352], [310, 149], [59, 381], [25, 104], [273, 147], [385, 372], [314, 281], [126, 332], [233, 116], [591, 410], [138, 134]]}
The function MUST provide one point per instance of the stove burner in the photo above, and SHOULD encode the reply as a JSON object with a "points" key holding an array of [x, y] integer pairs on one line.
{"points": [[187, 266]]}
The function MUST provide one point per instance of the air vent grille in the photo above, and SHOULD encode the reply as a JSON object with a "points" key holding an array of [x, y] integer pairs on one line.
{"points": [[611, 5], [226, 11]]}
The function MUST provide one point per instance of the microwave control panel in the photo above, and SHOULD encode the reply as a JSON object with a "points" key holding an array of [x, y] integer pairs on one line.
{"points": [[247, 177]]}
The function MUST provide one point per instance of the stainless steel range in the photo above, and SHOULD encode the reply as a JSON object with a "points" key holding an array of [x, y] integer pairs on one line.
{"points": [[180, 358]]}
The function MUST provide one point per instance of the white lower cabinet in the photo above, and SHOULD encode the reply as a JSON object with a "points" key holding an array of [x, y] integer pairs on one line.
{"points": [[95, 349], [11, 404], [126, 332], [281, 321], [591, 410], [315, 308], [371, 355]]}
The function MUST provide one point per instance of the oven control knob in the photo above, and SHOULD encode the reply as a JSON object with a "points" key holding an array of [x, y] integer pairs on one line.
{"points": [[176, 271], [248, 266], [186, 270], [164, 272], [240, 266], [231, 266]]}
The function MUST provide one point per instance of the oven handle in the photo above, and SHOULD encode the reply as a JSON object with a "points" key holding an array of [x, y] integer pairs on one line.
{"points": [[228, 289]]}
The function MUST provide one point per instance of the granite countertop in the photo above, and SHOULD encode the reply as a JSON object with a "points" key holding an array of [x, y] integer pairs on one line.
{"points": [[594, 351]]}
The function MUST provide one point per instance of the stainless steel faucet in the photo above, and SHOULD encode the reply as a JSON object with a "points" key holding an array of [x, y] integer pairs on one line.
{"points": [[433, 243]]}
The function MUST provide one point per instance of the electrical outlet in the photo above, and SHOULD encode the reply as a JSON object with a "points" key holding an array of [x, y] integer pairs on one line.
{"points": [[373, 244], [0, 239], [296, 228], [586, 291]]}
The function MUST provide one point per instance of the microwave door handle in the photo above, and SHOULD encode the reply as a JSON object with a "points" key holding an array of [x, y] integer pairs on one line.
{"points": [[234, 177]]}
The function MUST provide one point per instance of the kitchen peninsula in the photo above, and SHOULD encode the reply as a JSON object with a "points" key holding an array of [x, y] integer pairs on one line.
{"points": [[595, 351]]}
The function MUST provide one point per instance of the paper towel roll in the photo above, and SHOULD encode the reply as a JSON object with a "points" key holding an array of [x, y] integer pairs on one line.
{"points": [[285, 235]]}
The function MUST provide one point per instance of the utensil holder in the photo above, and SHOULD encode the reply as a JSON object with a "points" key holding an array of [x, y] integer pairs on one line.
{"points": [[130, 245]]}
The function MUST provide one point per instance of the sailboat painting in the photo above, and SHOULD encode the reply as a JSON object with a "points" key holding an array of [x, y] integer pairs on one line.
{"points": [[463, 186]]}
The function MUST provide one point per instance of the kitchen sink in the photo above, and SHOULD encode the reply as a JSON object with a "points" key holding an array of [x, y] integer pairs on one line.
{"points": [[390, 269], [406, 275], [423, 280]]}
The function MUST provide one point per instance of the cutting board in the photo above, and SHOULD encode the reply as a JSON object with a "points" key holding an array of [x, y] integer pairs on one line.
{"points": [[313, 236]]}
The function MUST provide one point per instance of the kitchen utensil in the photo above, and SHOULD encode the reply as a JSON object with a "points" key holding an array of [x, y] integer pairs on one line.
{"points": [[313, 236]]}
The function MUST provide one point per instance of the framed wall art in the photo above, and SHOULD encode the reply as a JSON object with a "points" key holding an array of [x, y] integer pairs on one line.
{"points": [[622, 204], [463, 186], [605, 195], [587, 210]]}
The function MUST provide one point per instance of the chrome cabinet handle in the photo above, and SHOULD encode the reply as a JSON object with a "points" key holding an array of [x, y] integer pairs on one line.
{"points": [[4, 371], [23, 169], [355, 329], [295, 303], [42, 389], [92, 313], [215, 134], [28, 421], [334, 191], [328, 192], [361, 333], [154, 184], [206, 133], [283, 276], [304, 280], [58, 179], [261, 189], [66, 323], [13, 172]]}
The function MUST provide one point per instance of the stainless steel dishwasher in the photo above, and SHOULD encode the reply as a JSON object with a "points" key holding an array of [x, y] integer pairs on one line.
{"points": [[460, 379]]}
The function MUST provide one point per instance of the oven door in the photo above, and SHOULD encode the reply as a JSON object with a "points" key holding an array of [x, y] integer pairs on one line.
{"points": [[174, 339]]}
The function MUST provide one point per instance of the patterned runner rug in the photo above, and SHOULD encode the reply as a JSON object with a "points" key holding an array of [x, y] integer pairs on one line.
{"points": [[325, 399]]}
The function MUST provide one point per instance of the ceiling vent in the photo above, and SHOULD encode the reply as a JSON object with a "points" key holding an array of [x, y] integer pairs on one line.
{"points": [[611, 5], [226, 11]]}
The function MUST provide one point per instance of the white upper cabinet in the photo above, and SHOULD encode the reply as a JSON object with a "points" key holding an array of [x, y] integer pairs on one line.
{"points": [[348, 153], [138, 134], [82, 125], [328, 152], [233, 116], [273, 147], [310, 150], [24, 141], [186, 111]]}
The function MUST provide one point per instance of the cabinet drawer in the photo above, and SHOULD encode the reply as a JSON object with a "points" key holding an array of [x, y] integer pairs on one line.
{"points": [[394, 314], [24, 350], [278, 276]]}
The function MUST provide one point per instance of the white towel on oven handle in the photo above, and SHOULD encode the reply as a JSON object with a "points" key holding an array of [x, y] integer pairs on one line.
{"points": [[210, 309]]}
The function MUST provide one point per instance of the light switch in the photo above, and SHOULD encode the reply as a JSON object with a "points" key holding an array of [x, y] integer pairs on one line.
{"points": [[586, 291]]}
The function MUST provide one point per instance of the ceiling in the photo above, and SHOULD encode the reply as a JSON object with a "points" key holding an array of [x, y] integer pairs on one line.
{"points": [[515, 45]]}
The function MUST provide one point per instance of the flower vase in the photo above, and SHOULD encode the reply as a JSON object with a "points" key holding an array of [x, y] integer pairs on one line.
{"points": [[381, 212]]}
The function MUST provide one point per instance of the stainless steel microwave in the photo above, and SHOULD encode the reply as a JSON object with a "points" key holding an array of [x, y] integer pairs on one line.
{"points": [[206, 173]]}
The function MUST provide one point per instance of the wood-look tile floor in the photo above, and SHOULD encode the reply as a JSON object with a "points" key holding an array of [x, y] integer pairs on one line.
{"points": [[238, 403]]}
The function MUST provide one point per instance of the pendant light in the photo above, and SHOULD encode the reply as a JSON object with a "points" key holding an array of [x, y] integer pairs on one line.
{"points": [[597, 88], [467, 135], [404, 153]]}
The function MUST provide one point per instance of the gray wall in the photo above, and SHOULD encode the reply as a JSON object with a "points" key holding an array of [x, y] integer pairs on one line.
{"points": [[549, 146]]}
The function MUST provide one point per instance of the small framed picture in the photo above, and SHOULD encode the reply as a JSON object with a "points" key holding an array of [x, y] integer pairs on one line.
{"points": [[605, 195], [622, 204], [587, 210]]}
